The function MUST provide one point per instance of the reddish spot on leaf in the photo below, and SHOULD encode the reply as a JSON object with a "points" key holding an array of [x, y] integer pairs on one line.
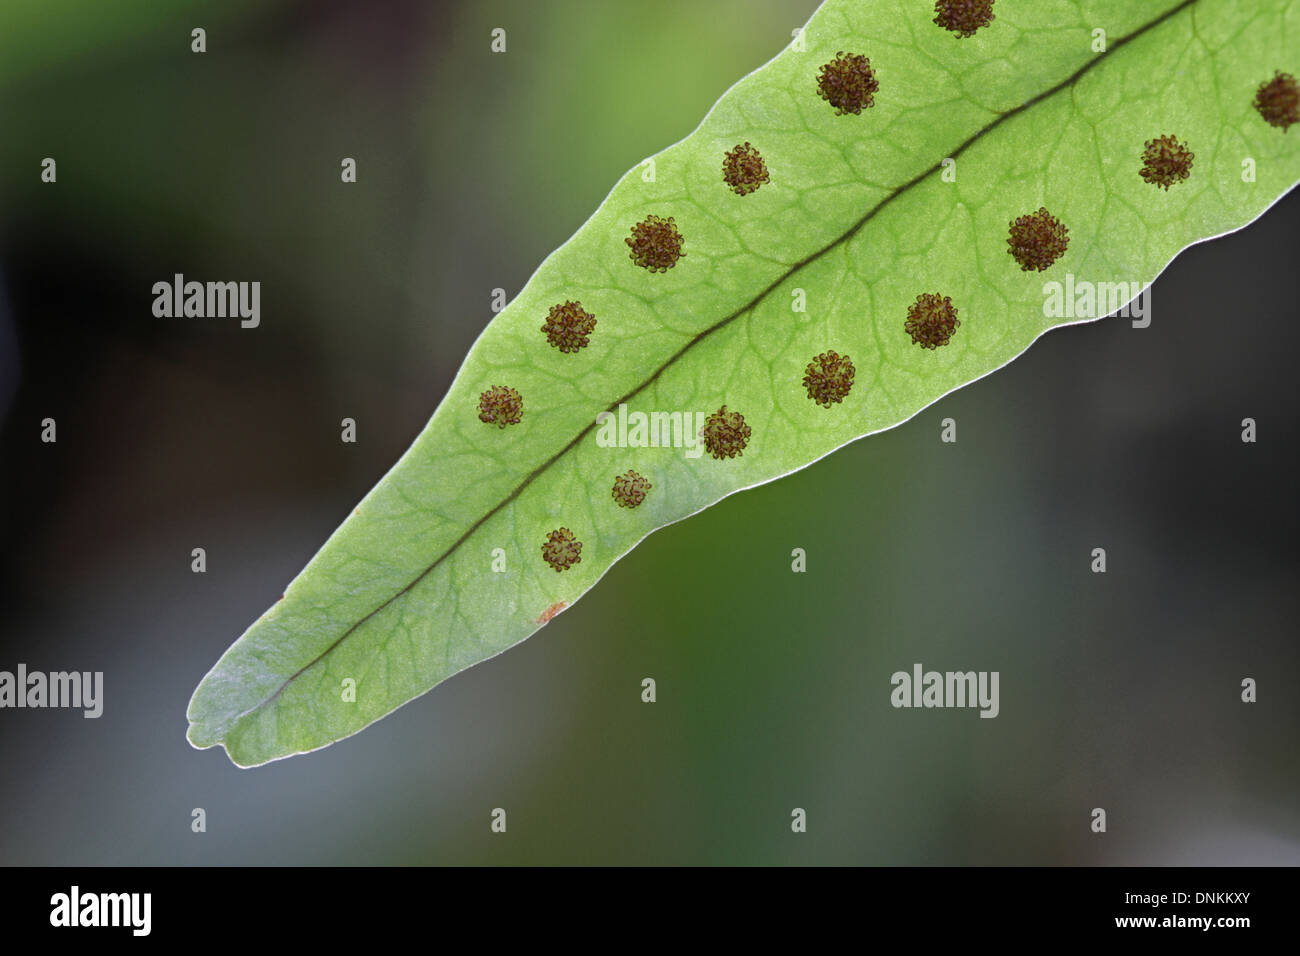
{"points": [[551, 611]]}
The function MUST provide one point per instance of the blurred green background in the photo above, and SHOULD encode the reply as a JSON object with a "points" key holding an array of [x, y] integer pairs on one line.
{"points": [[1118, 691]]}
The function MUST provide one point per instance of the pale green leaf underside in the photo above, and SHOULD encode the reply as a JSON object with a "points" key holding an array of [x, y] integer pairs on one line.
{"points": [[402, 596]]}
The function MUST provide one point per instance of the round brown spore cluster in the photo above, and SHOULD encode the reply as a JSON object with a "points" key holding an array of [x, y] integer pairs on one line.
{"points": [[630, 489], [963, 17], [655, 243], [562, 550], [568, 326], [848, 83], [1038, 240], [1166, 161], [931, 320], [725, 433], [829, 378], [1278, 100], [500, 405], [743, 170]]}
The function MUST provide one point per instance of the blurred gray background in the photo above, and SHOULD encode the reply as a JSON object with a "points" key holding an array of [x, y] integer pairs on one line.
{"points": [[1118, 690]]}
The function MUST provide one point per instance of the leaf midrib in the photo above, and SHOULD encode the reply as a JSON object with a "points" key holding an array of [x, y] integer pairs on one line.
{"points": [[847, 236]]}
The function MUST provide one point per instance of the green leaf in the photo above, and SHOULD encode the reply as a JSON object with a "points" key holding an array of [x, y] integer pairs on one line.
{"points": [[861, 215]]}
